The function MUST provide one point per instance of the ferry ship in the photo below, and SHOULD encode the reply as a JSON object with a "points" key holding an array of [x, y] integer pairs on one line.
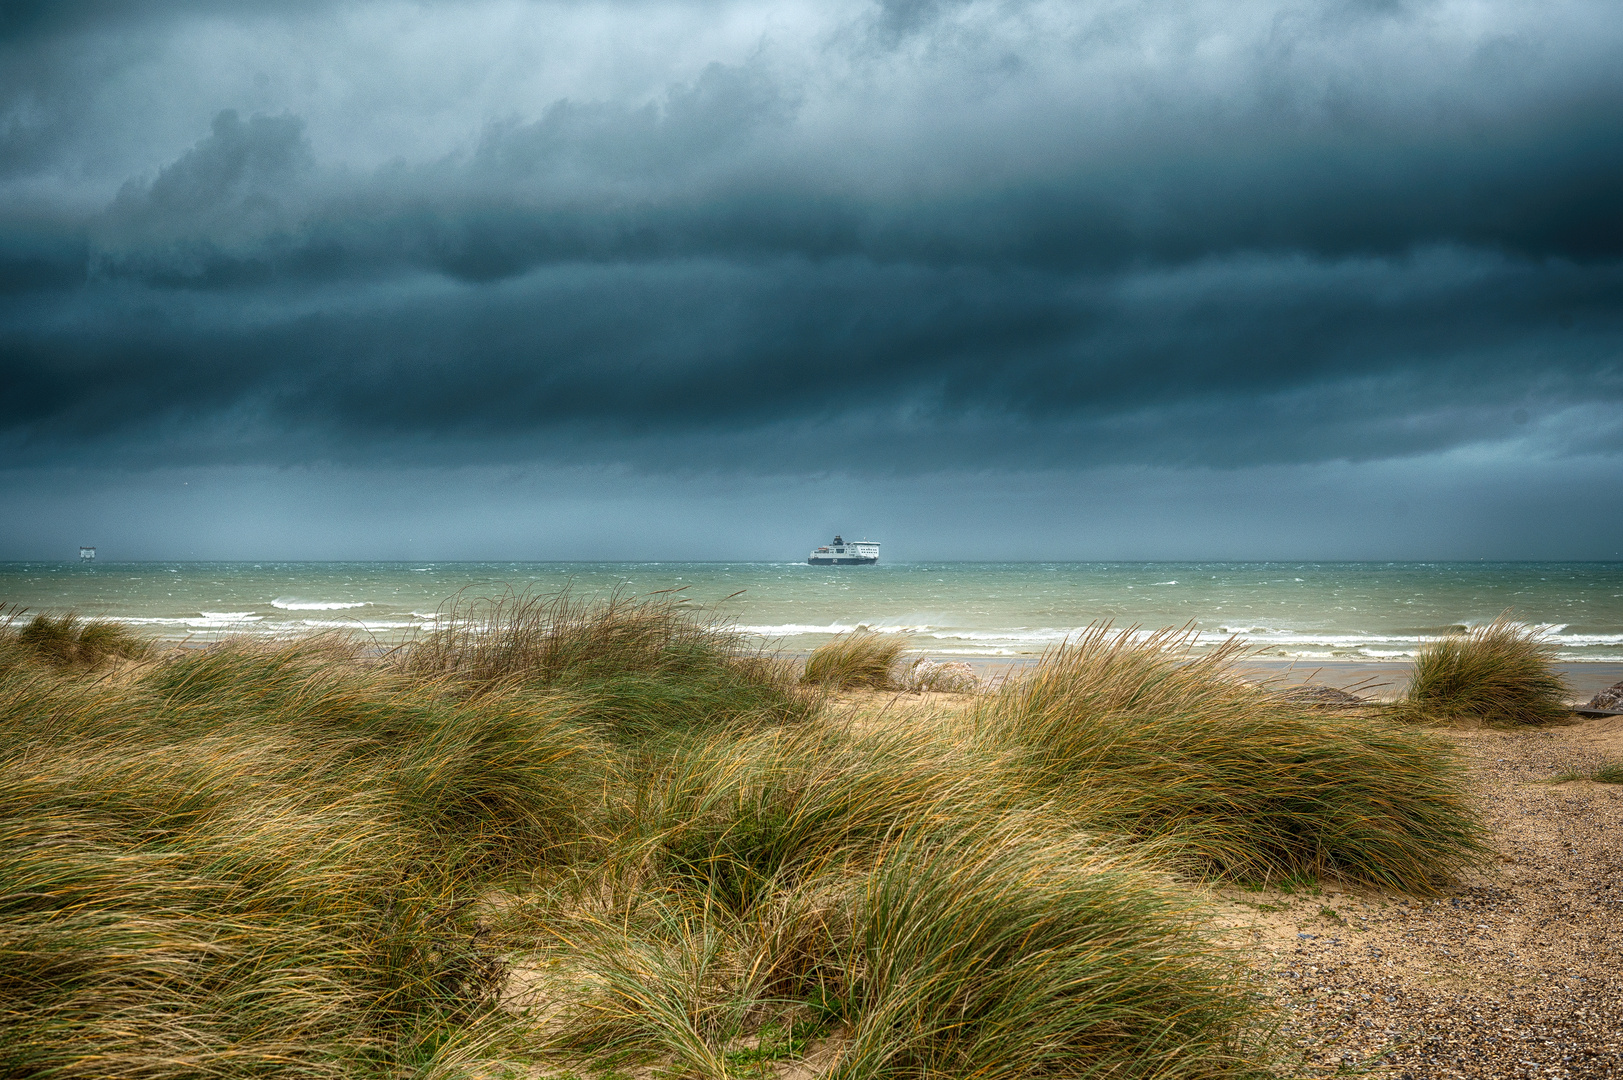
{"points": [[840, 553]]}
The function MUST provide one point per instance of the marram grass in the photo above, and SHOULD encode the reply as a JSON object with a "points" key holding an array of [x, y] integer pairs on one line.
{"points": [[860, 658], [1135, 734], [298, 860], [1019, 949], [1023, 950], [260, 861], [1499, 673], [737, 821], [653, 665], [66, 641]]}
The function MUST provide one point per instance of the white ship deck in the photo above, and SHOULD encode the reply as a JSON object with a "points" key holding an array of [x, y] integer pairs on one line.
{"points": [[845, 553]]}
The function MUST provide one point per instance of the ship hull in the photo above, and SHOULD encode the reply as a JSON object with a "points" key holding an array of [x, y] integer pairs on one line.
{"points": [[842, 560]]}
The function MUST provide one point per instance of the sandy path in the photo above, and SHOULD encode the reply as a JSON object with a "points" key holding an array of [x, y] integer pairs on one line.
{"points": [[1512, 973]]}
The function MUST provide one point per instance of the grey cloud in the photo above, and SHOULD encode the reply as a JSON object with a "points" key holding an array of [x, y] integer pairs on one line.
{"points": [[897, 19], [721, 366], [714, 171], [1429, 508], [1287, 265], [594, 143], [239, 166], [1289, 160], [225, 200], [47, 256], [31, 19]]}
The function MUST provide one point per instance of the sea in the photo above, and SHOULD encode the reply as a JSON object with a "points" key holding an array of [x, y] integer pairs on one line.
{"points": [[1302, 612]]}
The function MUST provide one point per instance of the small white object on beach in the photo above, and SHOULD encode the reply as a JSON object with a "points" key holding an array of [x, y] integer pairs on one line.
{"points": [[950, 677]]}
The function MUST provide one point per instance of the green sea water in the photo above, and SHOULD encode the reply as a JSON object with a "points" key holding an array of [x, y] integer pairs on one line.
{"points": [[1300, 611]]}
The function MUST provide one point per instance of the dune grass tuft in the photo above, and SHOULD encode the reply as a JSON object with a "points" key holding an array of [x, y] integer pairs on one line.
{"points": [[263, 860], [650, 664], [1136, 734], [860, 658], [68, 641], [736, 821], [1500, 673], [1023, 950]]}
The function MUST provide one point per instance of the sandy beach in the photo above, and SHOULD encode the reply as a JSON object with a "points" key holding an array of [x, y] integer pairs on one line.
{"points": [[1377, 681], [1384, 682], [1511, 972], [1507, 972]]}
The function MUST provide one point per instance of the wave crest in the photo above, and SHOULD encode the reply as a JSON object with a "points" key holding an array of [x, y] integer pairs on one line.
{"points": [[289, 603]]}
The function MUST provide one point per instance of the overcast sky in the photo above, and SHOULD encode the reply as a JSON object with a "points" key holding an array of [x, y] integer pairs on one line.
{"points": [[1227, 279]]}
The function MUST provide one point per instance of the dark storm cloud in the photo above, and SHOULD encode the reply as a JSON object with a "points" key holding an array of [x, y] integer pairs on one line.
{"points": [[941, 231], [27, 20], [1292, 363], [714, 169]]}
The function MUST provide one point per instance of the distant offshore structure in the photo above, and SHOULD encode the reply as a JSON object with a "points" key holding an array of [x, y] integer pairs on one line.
{"points": [[87, 554], [840, 553]]}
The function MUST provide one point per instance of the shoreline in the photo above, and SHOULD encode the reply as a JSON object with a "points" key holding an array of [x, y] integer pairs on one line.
{"points": [[1379, 680], [996, 615]]}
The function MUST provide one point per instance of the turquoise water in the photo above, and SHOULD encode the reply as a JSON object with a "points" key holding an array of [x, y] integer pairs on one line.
{"points": [[1306, 611]]}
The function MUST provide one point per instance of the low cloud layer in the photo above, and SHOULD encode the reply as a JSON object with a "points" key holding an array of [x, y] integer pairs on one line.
{"points": [[883, 239]]}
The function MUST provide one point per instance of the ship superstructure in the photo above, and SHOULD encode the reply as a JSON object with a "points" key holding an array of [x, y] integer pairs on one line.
{"points": [[844, 553]]}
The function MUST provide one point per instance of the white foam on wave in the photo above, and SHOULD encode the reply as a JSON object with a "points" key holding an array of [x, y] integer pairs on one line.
{"points": [[1015, 636], [1265, 635], [1586, 639], [981, 652], [893, 628], [1537, 628], [288, 603], [203, 620], [975, 641], [792, 629]]}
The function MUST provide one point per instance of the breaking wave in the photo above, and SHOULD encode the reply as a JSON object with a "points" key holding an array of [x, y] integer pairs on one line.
{"points": [[288, 603]]}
